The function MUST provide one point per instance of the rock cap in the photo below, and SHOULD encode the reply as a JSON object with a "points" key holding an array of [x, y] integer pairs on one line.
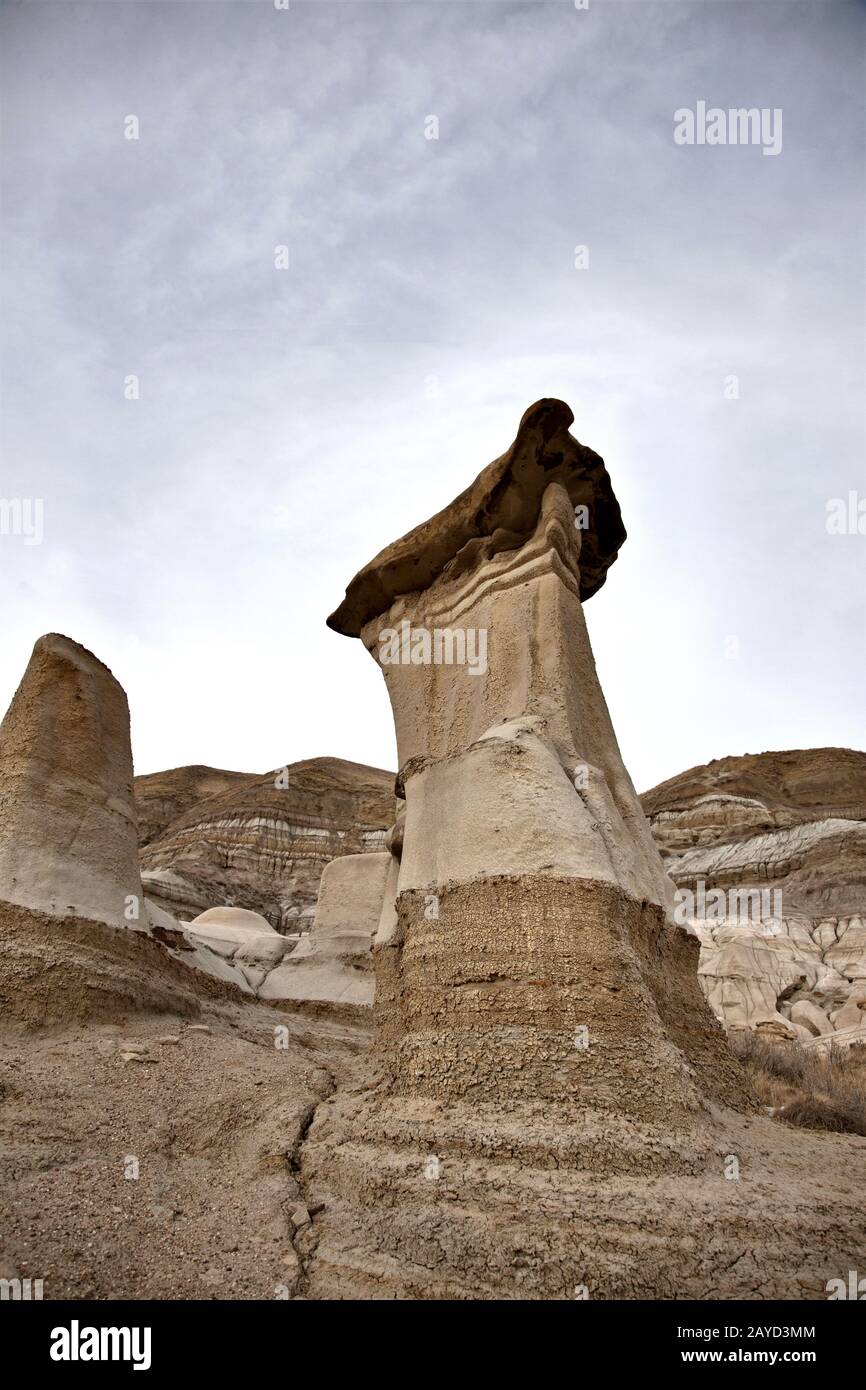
{"points": [[503, 505]]}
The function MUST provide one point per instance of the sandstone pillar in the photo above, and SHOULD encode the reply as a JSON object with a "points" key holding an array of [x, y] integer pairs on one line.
{"points": [[556, 1108], [68, 835], [530, 951]]}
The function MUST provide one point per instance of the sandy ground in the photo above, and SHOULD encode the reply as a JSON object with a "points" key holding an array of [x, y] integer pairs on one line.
{"points": [[157, 1142], [211, 1124]]}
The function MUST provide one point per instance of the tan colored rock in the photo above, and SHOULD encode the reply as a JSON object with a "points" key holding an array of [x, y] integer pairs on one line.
{"points": [[539, 1021], [852, 1013], [259, 842], [498, 511], [162, 797], [848, 954], [788, 828], [513, 818], [68, 833], [349, 906], [805, 1013], [232, 923], [745, 974], [244, 939], [333, 964]]}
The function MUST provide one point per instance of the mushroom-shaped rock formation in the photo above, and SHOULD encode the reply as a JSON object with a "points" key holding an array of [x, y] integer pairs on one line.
{"points": [[552, 1085], [531, 901], [68, 832]]}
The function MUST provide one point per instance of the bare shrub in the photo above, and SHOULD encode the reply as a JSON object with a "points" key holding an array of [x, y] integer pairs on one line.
{"points": [[815, 1090]]}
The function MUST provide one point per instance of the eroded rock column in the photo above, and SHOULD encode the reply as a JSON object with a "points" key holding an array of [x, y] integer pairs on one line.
{"points": [[68, 835], [530, 952]]}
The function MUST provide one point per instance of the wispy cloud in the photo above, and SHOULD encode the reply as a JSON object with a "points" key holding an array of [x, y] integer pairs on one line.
{"points": [[291, 422]]}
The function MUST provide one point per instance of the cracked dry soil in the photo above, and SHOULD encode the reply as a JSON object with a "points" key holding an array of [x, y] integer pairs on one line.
{"points": [[149, 1158]]}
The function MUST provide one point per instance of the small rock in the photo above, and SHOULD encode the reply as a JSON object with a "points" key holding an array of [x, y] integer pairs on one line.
{"points": [[300, 1216], [133, 1047], [134, 1057], [290, 1260], [198, 1028], [170, 1040]]}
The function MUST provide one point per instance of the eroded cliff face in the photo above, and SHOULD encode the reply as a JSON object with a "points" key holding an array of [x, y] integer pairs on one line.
{"points": [[792, 823], [160, 797], [262, 842], [782, 838]]}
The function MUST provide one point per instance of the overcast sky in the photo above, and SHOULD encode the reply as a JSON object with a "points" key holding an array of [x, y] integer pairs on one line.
{"points": [[293, 421]]}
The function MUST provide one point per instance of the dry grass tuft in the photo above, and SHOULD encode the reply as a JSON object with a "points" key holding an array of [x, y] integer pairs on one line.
{"points": [[811, 1089]]}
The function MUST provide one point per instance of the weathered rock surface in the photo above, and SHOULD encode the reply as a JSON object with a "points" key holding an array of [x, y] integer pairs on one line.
{"points": [[329, 965], [790, 826], [497, 512], [234, 945], [64, 971], [262, 843], [334, 962], [68, 833], [554, 1101], [793, 820], [161, 797], [211, 1115]]}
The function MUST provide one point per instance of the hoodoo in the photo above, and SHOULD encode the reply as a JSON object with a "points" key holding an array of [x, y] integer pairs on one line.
{"points": [[551, 904], [550, 1079], [68, 833]]}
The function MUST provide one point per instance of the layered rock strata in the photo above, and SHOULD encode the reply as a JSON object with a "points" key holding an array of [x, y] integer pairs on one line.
{"points": [[553, 1101], [68, 833], [161, 797], [263, 843], [768, 852]]}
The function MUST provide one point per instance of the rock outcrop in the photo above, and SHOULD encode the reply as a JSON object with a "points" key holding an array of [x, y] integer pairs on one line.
{"points": [[554, 1101], [236, 946], [333, 963], [161, 797], [262, 843], [497, 512], [68, 833], [531, 900], [76, 933], [781, 838]]}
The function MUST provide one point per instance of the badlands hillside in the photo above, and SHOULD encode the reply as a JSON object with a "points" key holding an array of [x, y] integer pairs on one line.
{"points": [[161, 797], [790, 826], [260, 842], [791, 822]]}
